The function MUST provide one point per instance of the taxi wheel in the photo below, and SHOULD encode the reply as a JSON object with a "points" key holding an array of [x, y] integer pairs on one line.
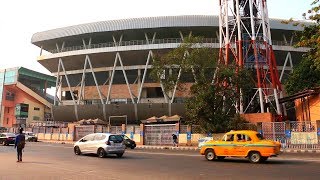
{"points": [[255, 157], [210, 155]]}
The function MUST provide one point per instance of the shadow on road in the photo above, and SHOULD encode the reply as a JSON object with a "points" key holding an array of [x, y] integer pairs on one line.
{"points": [[112, 156], [271, 162], [34, 162]]}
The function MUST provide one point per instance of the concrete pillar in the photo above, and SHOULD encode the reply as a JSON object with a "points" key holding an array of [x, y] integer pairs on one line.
{"points": [[189, 130], [318, 129], [177, 128], [288, 129], [132, 132], [72, 130], [142, 131], [123, 128]]}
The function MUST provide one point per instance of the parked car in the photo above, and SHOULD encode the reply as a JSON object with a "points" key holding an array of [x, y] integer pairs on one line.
{"points": [[245, 143], [30, 136], [101, 144], [201, 141], [128, 142], [3, 129], [7, 138]]}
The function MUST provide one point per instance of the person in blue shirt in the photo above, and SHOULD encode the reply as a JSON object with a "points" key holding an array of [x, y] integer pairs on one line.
{"points": [[19, 144]]}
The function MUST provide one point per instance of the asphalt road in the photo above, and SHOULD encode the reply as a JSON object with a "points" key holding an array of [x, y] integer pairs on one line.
{"points": [[57, 161]]}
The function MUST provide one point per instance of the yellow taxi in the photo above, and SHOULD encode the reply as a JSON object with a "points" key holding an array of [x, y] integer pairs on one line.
{"points": [[244, 143]]}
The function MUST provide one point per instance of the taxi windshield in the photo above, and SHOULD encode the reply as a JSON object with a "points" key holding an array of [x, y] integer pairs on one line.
{"points": [[259, 136]]}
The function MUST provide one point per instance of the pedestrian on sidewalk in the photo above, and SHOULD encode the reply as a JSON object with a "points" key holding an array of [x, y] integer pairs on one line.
{"points": [[19, 144], [175, 140]]}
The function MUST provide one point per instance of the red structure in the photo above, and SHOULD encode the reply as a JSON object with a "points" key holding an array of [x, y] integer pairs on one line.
{"points": [[245, 39]]}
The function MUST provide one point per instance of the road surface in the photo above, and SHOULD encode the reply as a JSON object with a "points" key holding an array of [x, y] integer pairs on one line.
{"points": [[57, 161]]}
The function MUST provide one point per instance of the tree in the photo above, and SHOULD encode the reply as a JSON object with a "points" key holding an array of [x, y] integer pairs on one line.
{"points": [[306, 74], [212, 101]]}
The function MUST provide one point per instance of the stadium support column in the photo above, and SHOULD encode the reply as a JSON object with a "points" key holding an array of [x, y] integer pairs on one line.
{"points": [[150, 55], [71, 92], [245, 40], [98, 88], [111, 80]]}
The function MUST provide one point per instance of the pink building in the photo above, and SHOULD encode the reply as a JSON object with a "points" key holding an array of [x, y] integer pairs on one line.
{"points": [[24, 99]]}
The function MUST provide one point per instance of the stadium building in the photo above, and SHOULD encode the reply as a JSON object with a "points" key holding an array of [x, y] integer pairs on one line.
{"points": [[103, 68]]}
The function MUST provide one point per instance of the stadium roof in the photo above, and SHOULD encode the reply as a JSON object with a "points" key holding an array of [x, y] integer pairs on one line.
{"points": [[142, 23]]}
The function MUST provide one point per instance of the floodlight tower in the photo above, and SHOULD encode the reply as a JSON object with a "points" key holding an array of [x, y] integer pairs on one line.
{"points": [[245, 39]]}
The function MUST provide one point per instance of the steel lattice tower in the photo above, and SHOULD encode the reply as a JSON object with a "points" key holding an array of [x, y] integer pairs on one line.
{"points": [[245, 39]]}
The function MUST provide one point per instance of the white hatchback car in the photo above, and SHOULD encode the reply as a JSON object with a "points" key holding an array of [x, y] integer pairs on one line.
{"points": [[101, 144]]}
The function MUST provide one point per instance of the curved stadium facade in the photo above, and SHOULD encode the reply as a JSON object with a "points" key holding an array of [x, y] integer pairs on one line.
{"points": [[103, 67]]}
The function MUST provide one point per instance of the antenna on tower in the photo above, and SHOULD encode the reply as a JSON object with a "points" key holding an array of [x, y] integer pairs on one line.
{"points": [[245, 39]]}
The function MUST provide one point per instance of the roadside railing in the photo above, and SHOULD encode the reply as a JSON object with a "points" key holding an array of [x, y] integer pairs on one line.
{"points": [[144, 42], [287, 143]]}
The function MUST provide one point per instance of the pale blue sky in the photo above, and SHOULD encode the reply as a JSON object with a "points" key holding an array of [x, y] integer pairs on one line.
{"points": [[20, 19]]}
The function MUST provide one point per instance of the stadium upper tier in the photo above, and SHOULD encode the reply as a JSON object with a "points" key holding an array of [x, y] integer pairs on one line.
{"points": [[134, 37], [47, 39]]}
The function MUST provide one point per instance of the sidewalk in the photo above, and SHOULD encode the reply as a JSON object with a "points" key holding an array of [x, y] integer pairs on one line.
{"points": [[189, 148]]}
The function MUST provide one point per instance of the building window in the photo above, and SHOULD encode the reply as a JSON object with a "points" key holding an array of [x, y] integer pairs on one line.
{"points": [[36, 109], [36, 118], [8, 110], [10, 96], [7, 120]]}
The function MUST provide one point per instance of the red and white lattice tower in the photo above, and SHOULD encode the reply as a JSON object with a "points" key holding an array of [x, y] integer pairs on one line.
{"points": [[245, 39]]}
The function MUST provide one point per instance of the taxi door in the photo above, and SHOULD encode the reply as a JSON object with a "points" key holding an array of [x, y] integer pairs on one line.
{"points": [[224, 147], [240, 145]]}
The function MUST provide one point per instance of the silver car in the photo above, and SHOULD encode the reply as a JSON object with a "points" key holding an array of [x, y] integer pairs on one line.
{"points": [[101, 144]]}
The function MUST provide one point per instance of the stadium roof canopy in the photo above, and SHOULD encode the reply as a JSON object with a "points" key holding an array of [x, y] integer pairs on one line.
{"points": [[141, 23]]}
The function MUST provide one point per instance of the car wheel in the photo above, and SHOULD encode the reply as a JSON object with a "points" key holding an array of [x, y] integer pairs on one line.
{"points": [[132, 146], [77, 150], [210, 155], [220, 158], [119, 155], [254, 157], [101, 153]]}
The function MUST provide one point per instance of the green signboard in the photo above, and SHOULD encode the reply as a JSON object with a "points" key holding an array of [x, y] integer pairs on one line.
{"points": [[22, 110]]}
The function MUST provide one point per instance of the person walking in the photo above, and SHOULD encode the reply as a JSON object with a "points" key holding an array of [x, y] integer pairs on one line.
{"points": [[175, 140], [19, 144]]}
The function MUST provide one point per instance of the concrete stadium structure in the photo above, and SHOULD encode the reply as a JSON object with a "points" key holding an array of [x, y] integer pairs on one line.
{"points": [[103, 67]]}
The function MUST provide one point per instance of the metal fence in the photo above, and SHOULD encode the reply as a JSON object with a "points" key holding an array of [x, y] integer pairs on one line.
{"points": [[196, 129], [183, 129], [159, 134], [145, 42], [293, 135], [116, 129], [296, 135]]}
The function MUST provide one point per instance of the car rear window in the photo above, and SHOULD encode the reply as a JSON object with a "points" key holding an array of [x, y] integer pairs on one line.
{"points": [[11, 135], [260, 137], [99, 137], [115, 138]]}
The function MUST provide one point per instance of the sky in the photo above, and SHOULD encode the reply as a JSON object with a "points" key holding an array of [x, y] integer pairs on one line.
{"points": [[20, 19]]}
